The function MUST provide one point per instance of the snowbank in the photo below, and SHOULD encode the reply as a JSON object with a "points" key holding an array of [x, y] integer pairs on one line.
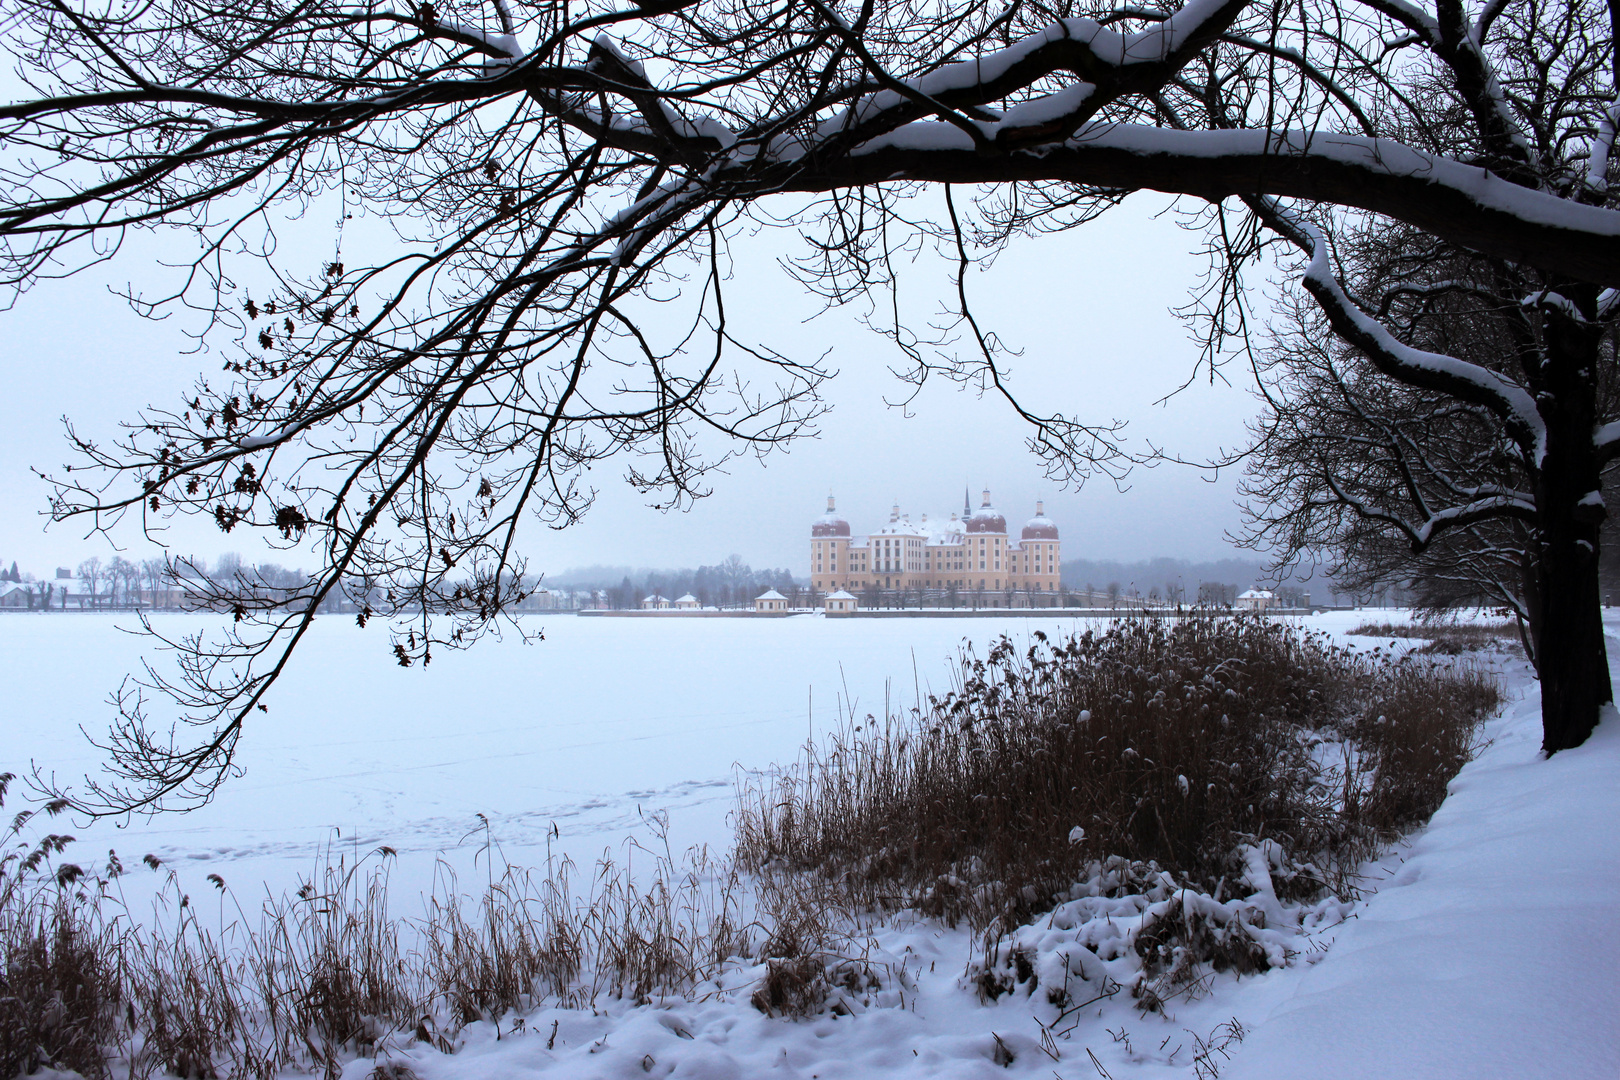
{"points": [[1490, 950]]}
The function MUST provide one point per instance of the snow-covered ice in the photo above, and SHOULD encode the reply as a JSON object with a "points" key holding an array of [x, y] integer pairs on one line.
{"points": [[602, 719], [1487, 949]]}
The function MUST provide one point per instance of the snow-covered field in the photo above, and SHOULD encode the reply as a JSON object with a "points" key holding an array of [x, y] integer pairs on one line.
{"points": [[1487, 950]]}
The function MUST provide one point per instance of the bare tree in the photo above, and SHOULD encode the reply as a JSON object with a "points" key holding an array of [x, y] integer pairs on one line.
{"points": [[154, 576], [1407, 485], [90, 572], [552, 171]]}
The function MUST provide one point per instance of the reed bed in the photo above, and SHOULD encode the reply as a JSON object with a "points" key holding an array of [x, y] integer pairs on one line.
{"points": [[1151, 746], [1171, 743], [328, 973]]}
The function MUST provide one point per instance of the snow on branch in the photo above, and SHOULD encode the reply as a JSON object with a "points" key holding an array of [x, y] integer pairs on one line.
{"points": [[1100, 58], [1424, 532], [1600, 148], [1419, 366], [1606, 437], [1464, 204]]}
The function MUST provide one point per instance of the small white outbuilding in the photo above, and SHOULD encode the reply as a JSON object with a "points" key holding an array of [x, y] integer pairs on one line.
{"points": [[687, 602], [770, 600], [655, 603], [841, 603]]}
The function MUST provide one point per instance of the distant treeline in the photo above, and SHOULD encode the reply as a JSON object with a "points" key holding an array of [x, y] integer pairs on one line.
{"points": [[732, 583], [1186, 581]]}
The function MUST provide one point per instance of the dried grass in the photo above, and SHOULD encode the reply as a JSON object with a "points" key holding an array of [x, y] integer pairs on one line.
{"points": [[1161, 742], [330, 973], [60, 985], [1448, 638], [1154, 747]]}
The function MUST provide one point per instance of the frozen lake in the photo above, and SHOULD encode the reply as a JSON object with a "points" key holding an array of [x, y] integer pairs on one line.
{"points": [[602, 721]]}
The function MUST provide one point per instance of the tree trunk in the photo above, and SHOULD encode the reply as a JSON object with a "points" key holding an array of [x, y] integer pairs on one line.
{"points": [[1573, 661]]}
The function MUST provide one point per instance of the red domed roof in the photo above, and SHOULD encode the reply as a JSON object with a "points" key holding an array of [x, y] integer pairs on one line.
{"points": [[986, 520], [829, 524], [1040, 527]]}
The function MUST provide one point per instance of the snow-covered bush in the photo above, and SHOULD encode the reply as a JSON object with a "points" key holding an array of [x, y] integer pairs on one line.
{"points": [[1181, 745]]}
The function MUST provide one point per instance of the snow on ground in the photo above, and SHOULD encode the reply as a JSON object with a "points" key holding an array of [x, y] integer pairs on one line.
{"points": [[1489, 950], [602, 721], [1486, 951]]}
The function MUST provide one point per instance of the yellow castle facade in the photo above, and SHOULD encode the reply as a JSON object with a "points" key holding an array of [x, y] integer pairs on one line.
{"points": [[971, 553]]}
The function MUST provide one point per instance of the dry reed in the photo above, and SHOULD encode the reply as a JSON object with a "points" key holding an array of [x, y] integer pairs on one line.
{"points": [[1160, 742], [329, 973], [1149, 745]]}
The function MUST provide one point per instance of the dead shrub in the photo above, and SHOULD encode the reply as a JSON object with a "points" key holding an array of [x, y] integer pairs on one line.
{"points": [[59, 987], [1155, 741], [803, 953], [183, 991], [1187, 938], [792, 986], [1144, 758], [327, 968], [1418, 728]]}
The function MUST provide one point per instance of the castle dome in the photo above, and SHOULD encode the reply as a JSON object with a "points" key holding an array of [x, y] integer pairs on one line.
{"points": [[1040, 527], [829, 524], [985, 519]]}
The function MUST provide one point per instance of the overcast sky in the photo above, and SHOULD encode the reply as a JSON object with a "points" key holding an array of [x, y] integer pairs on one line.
{"points": [[1090, 310]]}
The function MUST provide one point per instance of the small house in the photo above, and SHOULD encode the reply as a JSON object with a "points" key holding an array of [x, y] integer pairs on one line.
{"points": [[655, 603], [841, 603], [770, 600], [1256, 600], [687, 603]]}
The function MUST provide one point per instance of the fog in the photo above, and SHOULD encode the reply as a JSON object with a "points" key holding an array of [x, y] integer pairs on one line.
{"points": [[1089, 314]]}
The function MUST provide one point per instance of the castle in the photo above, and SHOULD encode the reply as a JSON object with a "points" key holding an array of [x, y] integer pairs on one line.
{"points": [[971, 553]]}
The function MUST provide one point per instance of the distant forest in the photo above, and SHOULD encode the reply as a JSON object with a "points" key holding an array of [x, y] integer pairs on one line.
{"points": [[1185, 581], [727, 584]]}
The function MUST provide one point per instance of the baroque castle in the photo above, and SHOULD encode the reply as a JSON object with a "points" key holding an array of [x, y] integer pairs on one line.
{"points": [[970, 553]]}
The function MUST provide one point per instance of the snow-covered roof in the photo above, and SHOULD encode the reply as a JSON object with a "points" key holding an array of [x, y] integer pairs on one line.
{"points": [[1257, 594], [985, 519], [770, 594], [829, 524], [952, 532], [840, 595], [1039, 527], [931, 533], [654, 598], [687, 599]]}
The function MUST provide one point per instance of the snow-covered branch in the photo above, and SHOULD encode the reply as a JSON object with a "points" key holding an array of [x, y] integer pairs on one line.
{"points": [[1462, 203]]}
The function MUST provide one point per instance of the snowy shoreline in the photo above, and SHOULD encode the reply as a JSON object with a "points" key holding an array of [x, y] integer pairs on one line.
{"points": [[1483, 952]]}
